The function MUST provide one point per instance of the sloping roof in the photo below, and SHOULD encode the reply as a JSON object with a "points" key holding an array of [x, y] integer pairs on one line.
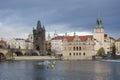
{"points": [[57, 38], [82, 38], [2, 41], [118, 39], [71, 38]]}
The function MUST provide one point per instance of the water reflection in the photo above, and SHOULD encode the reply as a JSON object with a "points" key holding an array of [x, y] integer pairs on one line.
{"points": [[63, 70]]}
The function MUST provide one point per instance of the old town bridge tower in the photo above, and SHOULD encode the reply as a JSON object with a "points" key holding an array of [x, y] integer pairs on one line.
{"points": [[39, 38]]}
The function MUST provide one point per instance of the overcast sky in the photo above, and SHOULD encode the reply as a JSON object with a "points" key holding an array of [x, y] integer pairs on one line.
{"points": [[18, 17]]}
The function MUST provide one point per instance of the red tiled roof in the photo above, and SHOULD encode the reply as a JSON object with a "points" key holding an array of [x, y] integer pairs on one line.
{"points": [[2, 41], [71, 38], [82, 38]]}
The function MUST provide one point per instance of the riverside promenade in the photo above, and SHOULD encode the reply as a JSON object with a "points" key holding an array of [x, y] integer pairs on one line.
{"points": [[34, 58]]}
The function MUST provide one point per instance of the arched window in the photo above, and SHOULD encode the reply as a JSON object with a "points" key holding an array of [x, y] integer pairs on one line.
{"points": [[84, 54], [73, 48], [69, 54], [79, 48], [76, 48], [74, 54], [79, 53]]}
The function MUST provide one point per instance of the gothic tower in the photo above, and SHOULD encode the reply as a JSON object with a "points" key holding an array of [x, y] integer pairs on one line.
{"points": [[39, 38], [99, 31]]}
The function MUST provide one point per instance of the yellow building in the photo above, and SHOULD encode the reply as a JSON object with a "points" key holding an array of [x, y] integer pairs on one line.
{"points": [[117, 46]]}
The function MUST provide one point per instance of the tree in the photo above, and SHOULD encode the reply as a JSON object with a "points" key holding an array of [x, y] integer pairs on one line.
{"points": [[101, 52], [113, 50]]}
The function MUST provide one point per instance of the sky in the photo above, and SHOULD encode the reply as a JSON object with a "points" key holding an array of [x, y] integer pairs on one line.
{"points": [[18, 17]]}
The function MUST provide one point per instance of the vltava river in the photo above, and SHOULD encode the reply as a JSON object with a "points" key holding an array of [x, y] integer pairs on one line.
{"points": [[63, 70]]}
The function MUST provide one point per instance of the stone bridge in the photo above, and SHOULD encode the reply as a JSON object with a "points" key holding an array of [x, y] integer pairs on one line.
{"points": [[10, 53]]}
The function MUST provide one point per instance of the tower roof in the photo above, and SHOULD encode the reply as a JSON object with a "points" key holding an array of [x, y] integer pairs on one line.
{"points": [[38, 24], [99, 22]]}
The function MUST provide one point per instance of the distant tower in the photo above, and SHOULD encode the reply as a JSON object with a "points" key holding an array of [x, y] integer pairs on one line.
{"points": [[55, 34], [49, 37], [39, 38], [99, 31], [30, 37]]}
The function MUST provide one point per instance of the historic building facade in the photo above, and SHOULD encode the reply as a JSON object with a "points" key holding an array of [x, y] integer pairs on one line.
{"points": [[18, 43], [3, 44], [78, 47], [39, 38]]}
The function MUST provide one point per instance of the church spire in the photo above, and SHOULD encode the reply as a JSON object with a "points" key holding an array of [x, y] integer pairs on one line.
{"points": [[38, 24], [99, 22], [49, 37], [55, 34], [43, 28]]}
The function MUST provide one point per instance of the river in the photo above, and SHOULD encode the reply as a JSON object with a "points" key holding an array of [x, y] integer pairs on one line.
{"points": [[63, 70]]}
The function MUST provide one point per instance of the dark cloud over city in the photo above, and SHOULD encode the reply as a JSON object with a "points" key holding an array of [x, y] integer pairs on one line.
{"points": [[18, 17]]}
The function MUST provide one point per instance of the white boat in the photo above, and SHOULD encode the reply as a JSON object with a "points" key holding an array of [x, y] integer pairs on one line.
{"points": [[44, 63]]}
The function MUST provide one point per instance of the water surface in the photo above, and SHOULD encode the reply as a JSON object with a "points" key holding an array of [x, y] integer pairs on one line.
{"points": [[63, 70]]}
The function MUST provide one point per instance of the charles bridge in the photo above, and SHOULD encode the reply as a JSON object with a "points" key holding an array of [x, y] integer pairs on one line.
{"points": [[10, 53]]}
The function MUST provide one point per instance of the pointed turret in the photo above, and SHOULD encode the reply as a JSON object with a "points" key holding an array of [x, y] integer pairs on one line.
{"points": [[43, 28], [55, 34], [74, 33], [38, 24], [66, 34], [49, 37], [99, 22]]}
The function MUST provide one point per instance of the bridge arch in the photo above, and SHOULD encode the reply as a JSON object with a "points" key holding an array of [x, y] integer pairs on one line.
{"points": [[2, 56], [18, 53], [27, 54], [34, 54]]}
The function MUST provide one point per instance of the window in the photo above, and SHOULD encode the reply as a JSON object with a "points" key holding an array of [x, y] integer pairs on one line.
{"points": [[74, 54], [79, 53], [79, 48], [73, 48], [69, 54], [84, 54]]}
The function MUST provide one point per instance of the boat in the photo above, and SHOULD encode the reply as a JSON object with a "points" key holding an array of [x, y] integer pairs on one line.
{"points": [[44, 63]]}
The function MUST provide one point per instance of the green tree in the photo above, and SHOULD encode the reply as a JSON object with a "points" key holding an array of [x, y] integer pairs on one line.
{"points": [[101, 52]]}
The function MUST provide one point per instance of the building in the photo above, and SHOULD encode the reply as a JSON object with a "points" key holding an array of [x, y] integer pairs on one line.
{"points": [[78, 47], [30, 37], [16, 43], [117, 46], [39, 38], [56, 45], [3, 44], [101, 39]]}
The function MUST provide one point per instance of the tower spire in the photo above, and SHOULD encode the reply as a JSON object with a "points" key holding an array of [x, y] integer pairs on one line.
{"points": [[99, 22], [38, 24]]}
